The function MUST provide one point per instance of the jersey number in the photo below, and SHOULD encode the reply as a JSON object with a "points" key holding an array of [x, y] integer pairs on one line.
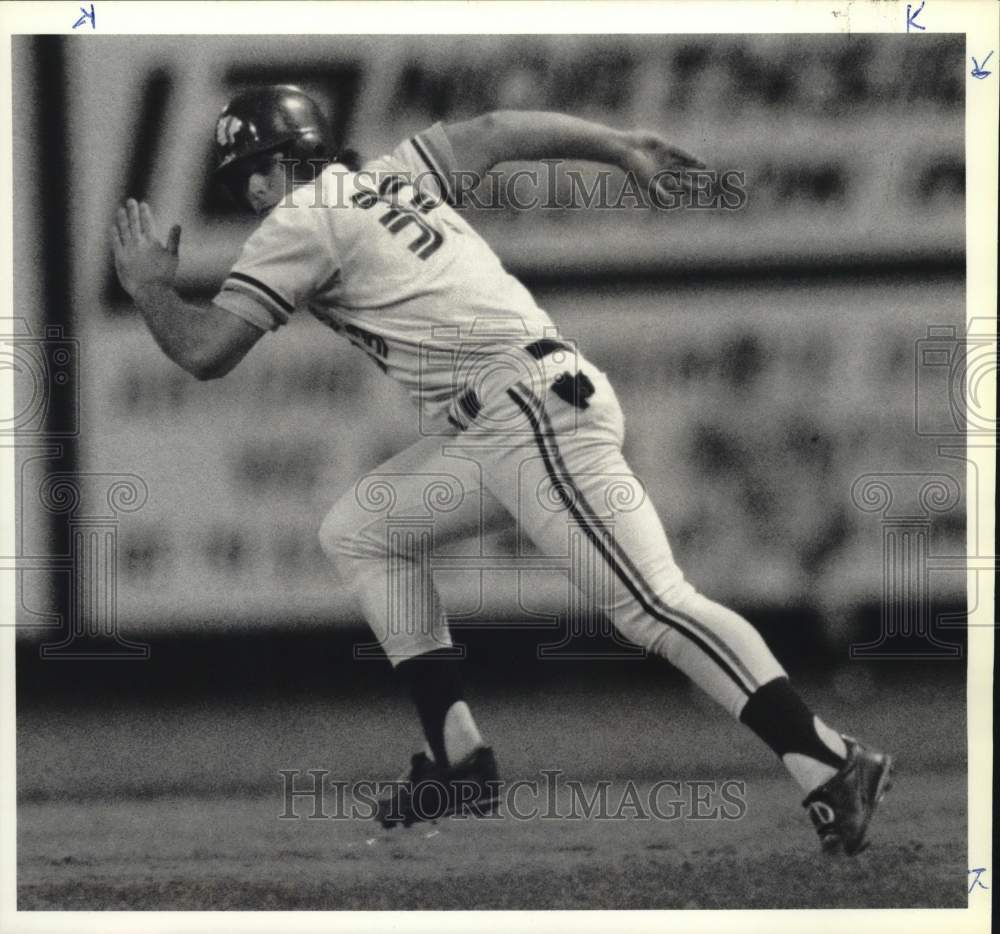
{"points": [[402, 217]]}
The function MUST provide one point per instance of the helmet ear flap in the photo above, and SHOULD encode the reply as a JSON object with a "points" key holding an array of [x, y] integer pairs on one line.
{"points": [[234, 185], [233, 179]]}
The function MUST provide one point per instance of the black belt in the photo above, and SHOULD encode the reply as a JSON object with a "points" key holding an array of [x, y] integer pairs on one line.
{"points": [[544, 347], [469, 402]]}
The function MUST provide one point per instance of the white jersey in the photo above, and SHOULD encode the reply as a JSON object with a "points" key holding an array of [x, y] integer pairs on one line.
{"points": [[383, 258]]}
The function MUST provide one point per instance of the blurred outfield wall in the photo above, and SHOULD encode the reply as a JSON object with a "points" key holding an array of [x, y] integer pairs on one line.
{"points": [[753, 404]]}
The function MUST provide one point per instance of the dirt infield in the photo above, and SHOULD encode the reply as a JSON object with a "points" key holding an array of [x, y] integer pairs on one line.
{"points": [[213, 854], [177, 807]]}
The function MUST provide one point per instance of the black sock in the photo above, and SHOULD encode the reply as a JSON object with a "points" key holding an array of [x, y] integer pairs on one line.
{"points": [[435, 685], [779, 717]]}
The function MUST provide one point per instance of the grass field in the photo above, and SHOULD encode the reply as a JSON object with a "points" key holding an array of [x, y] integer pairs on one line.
{"points": [[177, 808]]}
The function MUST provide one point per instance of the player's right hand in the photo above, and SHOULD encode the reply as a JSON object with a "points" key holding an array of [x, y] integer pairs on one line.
{"points": [[654, 161], [140, 258]]}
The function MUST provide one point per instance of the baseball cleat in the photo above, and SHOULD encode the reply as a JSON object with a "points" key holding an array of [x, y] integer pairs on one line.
{"points": [[842, 808], [429, 792]]}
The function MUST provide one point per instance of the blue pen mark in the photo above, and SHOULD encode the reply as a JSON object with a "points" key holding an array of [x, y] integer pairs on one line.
{"points": [[979, 71], [977, 880], [911, 18], [87, 17]]}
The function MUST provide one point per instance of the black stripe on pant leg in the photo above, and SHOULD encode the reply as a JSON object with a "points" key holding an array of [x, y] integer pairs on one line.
{"points": [[675, 616], [560, 485]]}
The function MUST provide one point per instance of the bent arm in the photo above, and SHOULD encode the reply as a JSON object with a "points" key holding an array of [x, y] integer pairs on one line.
{"points": [[207, 342]]}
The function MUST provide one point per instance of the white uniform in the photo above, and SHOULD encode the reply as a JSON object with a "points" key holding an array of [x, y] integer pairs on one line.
{"points": [[516, 424], [393, 267]]}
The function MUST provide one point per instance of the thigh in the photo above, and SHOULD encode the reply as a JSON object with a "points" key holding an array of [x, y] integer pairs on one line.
{"points": [[426, 484], [559, 470]]}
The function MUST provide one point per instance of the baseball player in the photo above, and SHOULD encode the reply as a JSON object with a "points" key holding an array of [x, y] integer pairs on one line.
{"points": [[516, 424]]}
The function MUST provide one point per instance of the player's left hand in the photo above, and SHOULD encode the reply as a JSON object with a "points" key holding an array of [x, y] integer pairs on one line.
{"points": [[140, 258], [654, 161]]}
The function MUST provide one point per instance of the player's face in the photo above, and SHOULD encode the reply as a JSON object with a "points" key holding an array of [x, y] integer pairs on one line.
{"points": [[265, 182]]}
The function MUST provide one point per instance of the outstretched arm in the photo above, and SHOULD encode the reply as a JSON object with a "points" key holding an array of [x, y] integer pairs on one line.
{"points": [[514, 135], [207, 342]]}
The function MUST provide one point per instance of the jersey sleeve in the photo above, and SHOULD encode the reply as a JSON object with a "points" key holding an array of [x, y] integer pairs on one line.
{"points": [[429, 157], [282, 265]]}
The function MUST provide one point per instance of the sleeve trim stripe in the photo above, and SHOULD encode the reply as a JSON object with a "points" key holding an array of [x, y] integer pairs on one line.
{"points": [[432, 165], [277, 314], [265, 289], [248, 308]]}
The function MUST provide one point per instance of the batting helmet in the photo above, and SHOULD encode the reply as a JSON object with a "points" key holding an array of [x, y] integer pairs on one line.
{"points": [[268, 119]]}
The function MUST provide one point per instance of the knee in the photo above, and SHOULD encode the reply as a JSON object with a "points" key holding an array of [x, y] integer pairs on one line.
{"points": [[651, 625], [332, 534], [345, 532]]}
